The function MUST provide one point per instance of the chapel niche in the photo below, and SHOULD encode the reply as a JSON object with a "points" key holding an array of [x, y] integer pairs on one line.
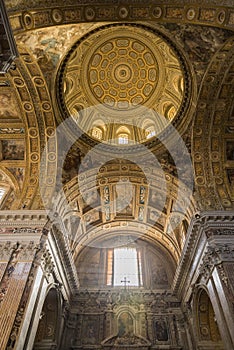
{"points": [[207, 327]]}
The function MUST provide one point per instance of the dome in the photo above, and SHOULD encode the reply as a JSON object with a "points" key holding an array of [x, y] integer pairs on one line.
{"points": [[131, 76]]}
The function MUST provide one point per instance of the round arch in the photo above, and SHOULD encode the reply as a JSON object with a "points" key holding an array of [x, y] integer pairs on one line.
{"points": [[214, 171], [48, 331], [100, 265], [207, 330]]}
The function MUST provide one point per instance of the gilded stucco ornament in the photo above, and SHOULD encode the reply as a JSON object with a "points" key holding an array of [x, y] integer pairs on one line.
{"points": [[121, 68]]}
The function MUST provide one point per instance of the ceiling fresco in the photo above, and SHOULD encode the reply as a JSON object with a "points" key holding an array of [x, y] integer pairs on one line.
{"points": [[121, 68], [179, 65]]}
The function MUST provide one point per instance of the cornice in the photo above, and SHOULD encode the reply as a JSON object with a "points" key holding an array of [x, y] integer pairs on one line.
{"points": [[23, 218], [55, 12], [203, 225], [66, 258]]}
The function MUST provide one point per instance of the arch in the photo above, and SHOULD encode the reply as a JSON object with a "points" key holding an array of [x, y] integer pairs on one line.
{"points": [[8, 188], [97, 133], [208, 334], [48, 331], [213, 15], [30, 89], [96, 265], [213, 172]]}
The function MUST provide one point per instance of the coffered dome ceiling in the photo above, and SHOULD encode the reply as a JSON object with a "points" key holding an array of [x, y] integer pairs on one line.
{"points": [[119, 68], [169, 65]]}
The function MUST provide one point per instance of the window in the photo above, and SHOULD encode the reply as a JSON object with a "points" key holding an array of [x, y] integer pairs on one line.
{"points": [[2, 192], [124, 267], [150, 132], [97, 133], [123, 139]]}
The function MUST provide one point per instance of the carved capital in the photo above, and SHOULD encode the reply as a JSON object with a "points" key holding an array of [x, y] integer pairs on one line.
{"points": [[209, 261], [28, 251], [6, 250]]}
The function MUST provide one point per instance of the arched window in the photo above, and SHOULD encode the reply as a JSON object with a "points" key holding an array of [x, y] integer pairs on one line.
{"points": [[150, 132], [124, 267], [123, 135], [207, 326], [97, 133], [3, 196], [2, 193], [137, 264], [123, 139]]}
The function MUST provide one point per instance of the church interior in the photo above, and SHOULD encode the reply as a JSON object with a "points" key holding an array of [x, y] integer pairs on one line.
{"points": [[116, 174]]}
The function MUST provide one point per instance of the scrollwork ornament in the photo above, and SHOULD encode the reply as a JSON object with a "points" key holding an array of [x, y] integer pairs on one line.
{"points": [[47, 263], [209, 261], [223, 276]]}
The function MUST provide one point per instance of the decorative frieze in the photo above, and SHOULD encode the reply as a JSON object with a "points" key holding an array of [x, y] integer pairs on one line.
{"points": [[5, 251], [206, 13], [18, 221], [219, 232]]}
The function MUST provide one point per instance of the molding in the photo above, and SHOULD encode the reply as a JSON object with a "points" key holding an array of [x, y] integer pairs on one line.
{"points": [[23, 218], [50, 13], [66, 259], [197, 239]]}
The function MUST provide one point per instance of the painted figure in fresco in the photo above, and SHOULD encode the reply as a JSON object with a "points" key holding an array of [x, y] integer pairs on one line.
{"points": [[124, 195], [7, 107], [12, 150], [159, 276], [161, 330], [141, 214], [125, 324], [230, 173], [106, 195], [142, 195], [19, 174], [230, 150], [107, 213], [90, 197]]}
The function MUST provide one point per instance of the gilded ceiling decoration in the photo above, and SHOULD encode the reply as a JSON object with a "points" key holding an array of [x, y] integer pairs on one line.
{"points": [[48, 45], [32, 14], [23, 131], [133, 64], [119, 199], [121, 68], [213, 135], [174, 58]]}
